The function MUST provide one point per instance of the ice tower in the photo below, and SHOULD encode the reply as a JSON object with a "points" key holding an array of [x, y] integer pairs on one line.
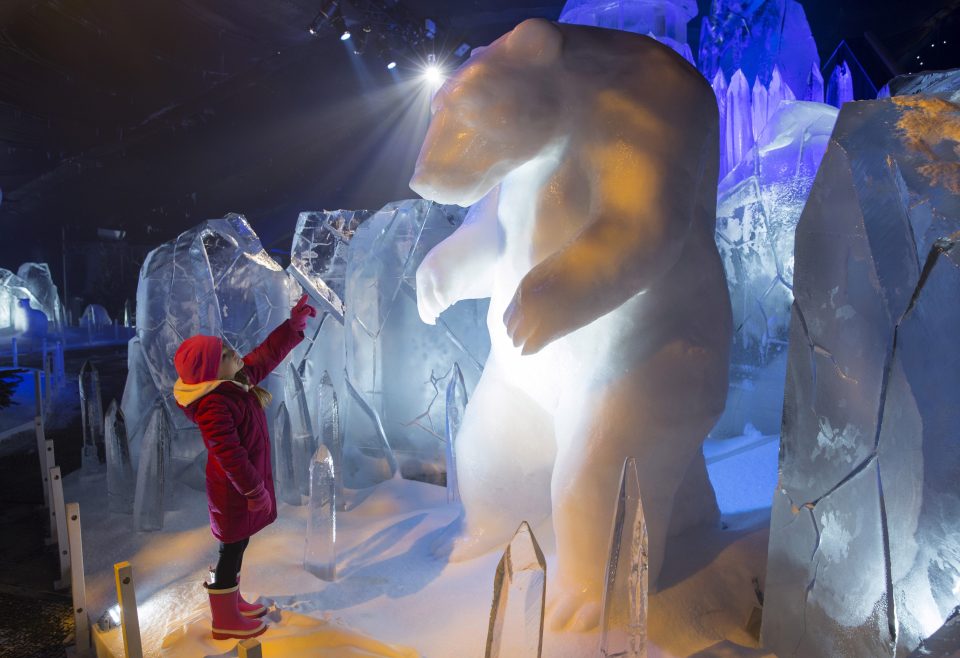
{"points": [[664, 20], [757, 36]]}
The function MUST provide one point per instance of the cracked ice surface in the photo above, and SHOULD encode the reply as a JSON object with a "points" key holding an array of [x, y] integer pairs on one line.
{"points": [[397, 366], [213, 279], [865, 527], [758, 207]]}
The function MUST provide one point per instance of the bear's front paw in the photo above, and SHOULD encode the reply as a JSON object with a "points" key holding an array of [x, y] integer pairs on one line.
{"points": [[532, 322], [431, 296]]}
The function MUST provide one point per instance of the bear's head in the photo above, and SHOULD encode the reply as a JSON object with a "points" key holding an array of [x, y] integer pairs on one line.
{"points": [[497, 112]]}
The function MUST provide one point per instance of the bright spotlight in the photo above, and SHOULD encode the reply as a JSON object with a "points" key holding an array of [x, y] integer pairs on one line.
{"points": [[392, 65], [345, 35], [433, 75]]}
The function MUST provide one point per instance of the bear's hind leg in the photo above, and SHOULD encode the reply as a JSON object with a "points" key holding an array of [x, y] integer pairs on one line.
{"points": [[596, 432], [505, 452]]}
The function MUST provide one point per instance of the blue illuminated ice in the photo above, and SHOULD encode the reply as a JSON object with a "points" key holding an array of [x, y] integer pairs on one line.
{"points": [[758, 207], [664, 20], [755, 36]]}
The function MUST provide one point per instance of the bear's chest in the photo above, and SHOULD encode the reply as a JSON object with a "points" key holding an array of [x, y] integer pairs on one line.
{"points": [[543, 206]]}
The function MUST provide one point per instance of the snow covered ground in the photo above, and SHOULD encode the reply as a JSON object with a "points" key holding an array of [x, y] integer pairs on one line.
{"points": [[391, 588]]}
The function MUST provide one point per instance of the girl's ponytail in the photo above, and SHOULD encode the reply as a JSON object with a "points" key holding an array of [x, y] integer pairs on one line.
{"points": [[263, 395]]}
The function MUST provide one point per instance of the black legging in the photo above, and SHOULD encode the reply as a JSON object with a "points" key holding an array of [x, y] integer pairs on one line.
{"points": [[228, 566]]}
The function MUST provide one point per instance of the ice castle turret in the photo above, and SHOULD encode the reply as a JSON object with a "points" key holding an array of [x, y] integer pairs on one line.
{"points": [[756, 36], [664, 20]]}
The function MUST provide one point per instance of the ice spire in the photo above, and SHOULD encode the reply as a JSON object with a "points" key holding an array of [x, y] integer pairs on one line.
{"points": [[320, 551], [758, 110], [814, 85], [456, 406], [153, 470], [779, 91], [624, 621], [840, 87], [719, 84], [739, 131], [330, 435], [120, 482], [519, 594]]}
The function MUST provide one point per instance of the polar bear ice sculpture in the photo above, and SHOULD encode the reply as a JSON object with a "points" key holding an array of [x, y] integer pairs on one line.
{"points": [[593, 156]]}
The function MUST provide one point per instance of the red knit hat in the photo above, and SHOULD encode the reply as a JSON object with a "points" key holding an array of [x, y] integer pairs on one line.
{"points": [[198, 359]]}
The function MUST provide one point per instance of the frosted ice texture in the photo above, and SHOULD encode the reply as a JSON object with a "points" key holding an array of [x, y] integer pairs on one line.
{"points": [[213, 279], [91, 414], [624, 617], [318, 256], [519, 596], [758, 207], [664, 20], [456, 404], [120, 480], [152, 471], [579, 375], [320, 552], [840, 87], [397, 367], [38, 280], [755, 36], [864, 523], [12, 290]]}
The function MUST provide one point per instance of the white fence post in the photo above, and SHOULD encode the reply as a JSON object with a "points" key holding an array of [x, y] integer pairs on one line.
{"points": [[77, 584], [63, 545], [250, 649], [37, 394], [49, 462], [129, 620], [42, 456]]}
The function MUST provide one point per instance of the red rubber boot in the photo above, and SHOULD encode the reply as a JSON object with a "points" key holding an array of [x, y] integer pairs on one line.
{"points": [[227, 622], [252, 610]]}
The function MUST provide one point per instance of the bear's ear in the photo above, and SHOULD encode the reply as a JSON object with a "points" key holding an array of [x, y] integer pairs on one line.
{"points": [[535, 41]]}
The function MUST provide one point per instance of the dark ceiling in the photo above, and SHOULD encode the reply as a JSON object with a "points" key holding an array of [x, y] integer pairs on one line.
{"points": [[151, 115]]}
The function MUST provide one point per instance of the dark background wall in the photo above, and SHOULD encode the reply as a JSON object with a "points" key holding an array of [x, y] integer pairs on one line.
{"points": [[148, 116]]}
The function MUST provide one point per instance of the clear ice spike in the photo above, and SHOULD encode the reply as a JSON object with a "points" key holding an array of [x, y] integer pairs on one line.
{"points": [[284, 472], [624, 617], [153, 470], [303, 438], [738, 131], [456, 406], [519, 595], [330, 434], [91, 411], [120, 482], [320, 552]]}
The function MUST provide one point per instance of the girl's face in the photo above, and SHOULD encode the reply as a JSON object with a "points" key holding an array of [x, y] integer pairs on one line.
{"points": [[230, 364]]}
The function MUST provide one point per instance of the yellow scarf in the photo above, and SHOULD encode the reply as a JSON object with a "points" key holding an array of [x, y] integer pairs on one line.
{"points": [[185, 394]]}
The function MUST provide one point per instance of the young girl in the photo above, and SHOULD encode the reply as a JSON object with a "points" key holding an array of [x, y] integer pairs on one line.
{"points": [[218, 391]]}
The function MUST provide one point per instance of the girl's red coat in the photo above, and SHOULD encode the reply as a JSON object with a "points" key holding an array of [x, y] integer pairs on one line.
{"points": [[234, 429]]}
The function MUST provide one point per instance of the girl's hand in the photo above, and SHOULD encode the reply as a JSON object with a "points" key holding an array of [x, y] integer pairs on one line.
{"points": [[300, 313], [258, 499]]}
